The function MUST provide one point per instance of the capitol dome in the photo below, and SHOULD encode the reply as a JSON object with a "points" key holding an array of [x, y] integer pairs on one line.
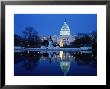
{"points": [[65, 30], [65, 66]]}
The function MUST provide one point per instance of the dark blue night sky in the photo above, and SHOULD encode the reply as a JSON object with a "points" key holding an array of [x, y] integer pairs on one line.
{"points": [[50, 24]]}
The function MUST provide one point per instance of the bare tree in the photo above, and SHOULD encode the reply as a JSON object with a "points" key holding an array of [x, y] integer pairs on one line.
{"points": [[31, 37]]}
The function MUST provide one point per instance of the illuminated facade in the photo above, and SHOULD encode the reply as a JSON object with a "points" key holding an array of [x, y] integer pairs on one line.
{"points": [[65, 30], [65, 36], [61, 43]]}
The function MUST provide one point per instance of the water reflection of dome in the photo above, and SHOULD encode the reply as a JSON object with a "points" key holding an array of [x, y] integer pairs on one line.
{"points": [[65, 66]]}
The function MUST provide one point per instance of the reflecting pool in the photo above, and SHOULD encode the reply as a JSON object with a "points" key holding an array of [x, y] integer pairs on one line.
{"points": [[55, 63]]}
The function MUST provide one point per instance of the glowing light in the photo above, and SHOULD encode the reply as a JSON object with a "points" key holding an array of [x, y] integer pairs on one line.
{"points": [[61, 43], [28, 51], [61, 55]]}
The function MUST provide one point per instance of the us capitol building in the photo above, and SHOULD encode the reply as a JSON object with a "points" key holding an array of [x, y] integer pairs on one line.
{"points": [[65, 37]]}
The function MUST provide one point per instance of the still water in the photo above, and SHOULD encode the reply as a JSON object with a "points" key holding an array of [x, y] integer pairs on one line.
{"points": [[55, 63]]}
